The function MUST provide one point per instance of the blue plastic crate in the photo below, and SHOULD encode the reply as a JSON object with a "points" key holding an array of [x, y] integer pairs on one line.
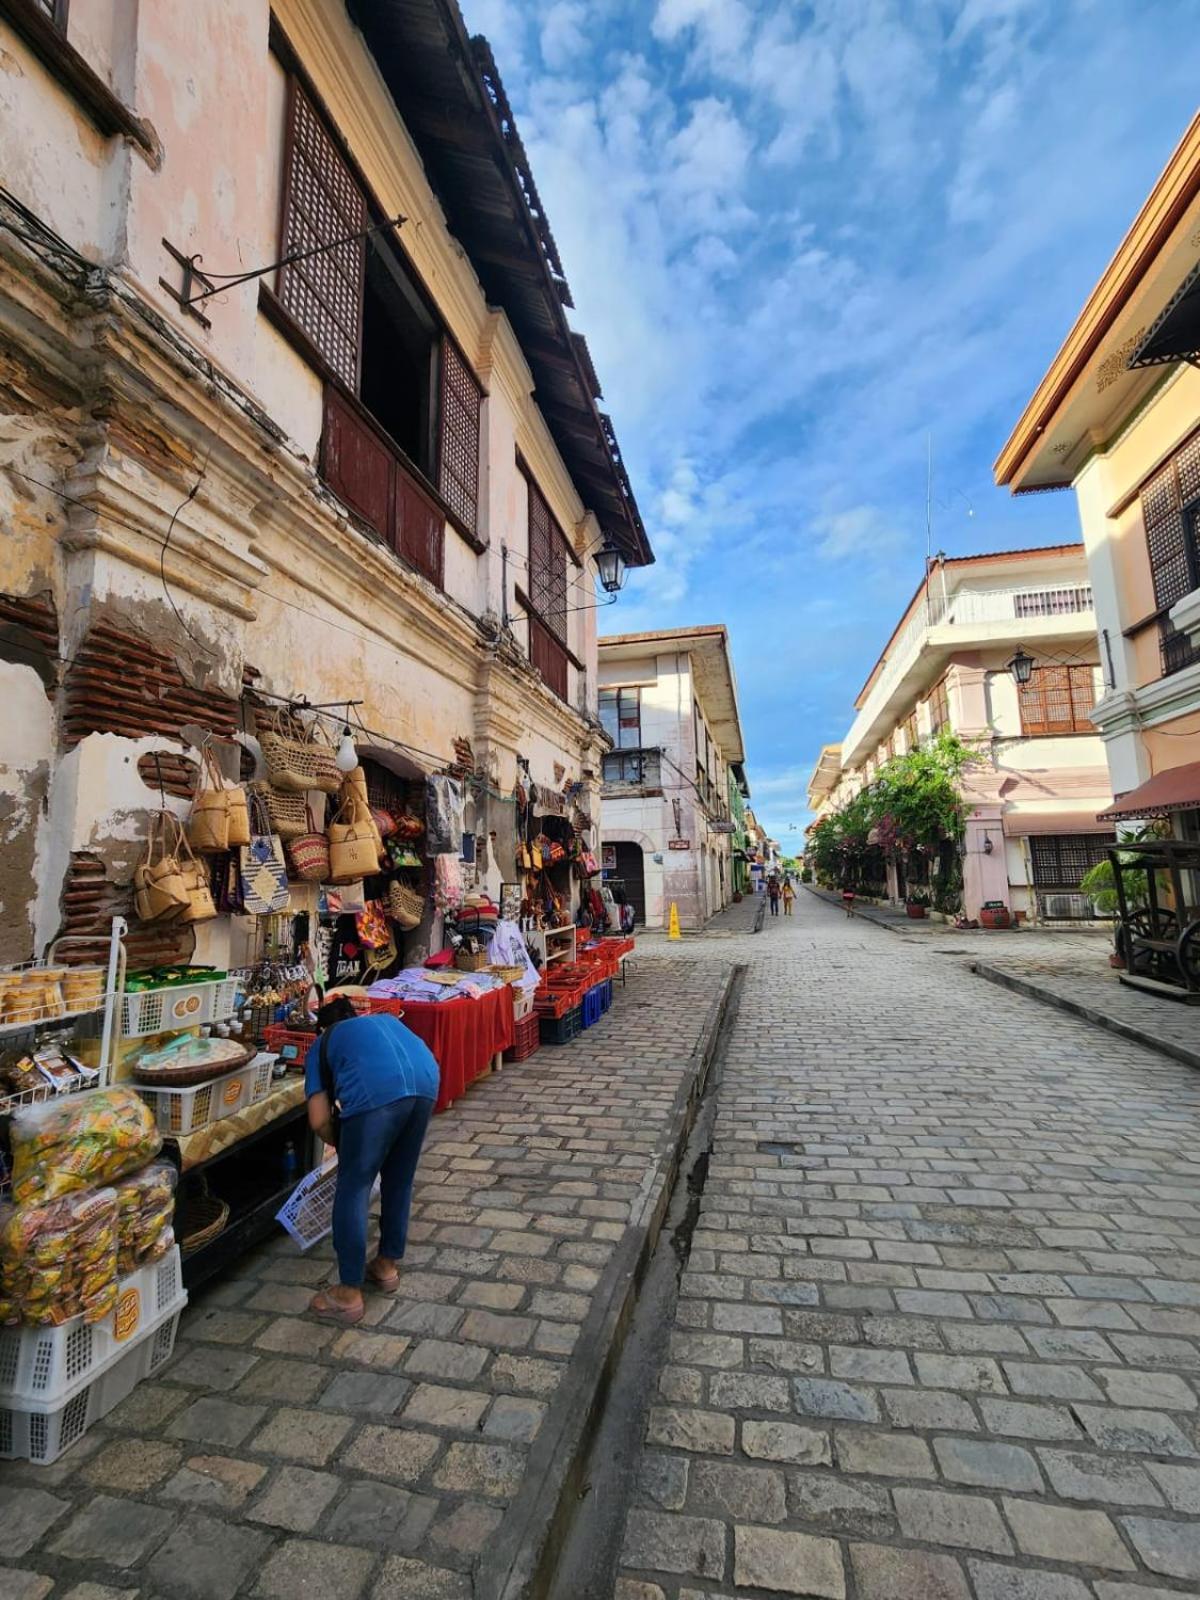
{"points": [[593, 1009], [561, 1030], [605, 991]]}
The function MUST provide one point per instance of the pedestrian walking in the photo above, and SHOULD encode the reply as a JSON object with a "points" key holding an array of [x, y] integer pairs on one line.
{"points": [[371, 1086], [789, 897], [773, 894]]}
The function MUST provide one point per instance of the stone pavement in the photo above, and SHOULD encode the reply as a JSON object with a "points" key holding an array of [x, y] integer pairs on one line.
{"points": [[938, 1336], [279, 1456]]}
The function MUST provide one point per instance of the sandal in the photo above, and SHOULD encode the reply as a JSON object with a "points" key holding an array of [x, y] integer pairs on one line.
{"points": [[387, 1283], [329, 1311]]}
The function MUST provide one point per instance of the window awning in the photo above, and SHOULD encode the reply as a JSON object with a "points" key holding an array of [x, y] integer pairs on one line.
{"points": [[1021, 824], [1175, 335], [1174, 790]]}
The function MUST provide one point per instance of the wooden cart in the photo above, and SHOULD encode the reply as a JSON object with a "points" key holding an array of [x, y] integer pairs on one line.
{"points": [[1158, 893]]}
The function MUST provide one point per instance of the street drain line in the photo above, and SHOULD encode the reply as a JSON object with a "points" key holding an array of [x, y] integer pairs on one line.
{"points": [[587, 1565]]}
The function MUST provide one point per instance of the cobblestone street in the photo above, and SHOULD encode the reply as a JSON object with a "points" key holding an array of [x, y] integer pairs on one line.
{"points": [[937, 1338], [939, 1333]]}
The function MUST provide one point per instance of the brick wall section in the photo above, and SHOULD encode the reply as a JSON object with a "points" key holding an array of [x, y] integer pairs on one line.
{"points": [[120, 683]]}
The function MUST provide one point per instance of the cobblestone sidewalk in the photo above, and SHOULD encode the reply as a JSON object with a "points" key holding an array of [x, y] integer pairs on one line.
{"points": [[938, 1337], [278, 1456]]}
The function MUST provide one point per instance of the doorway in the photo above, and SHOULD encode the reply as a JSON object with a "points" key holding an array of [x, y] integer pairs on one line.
{"points": [[631, 867]]}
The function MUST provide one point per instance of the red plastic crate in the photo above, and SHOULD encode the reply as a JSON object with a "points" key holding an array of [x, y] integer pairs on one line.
{"points": [[391, 1008], [277, 1035], [528, 1039], [556, 1002]]}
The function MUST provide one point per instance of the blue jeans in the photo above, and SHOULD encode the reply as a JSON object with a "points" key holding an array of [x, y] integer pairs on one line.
{"points": [[384, 1144]]}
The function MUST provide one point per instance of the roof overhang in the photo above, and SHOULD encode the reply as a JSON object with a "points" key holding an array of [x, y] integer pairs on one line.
{"points": [[1092, 386], [1176, 789], [1175, 336], [714, 682], [449, 93]]}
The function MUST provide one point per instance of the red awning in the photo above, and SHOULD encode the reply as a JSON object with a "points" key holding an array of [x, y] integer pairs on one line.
{"points": [[1173, 790]]}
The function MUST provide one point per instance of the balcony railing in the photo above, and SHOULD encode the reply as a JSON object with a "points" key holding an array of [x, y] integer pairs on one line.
{"points": [[1178, 650]]}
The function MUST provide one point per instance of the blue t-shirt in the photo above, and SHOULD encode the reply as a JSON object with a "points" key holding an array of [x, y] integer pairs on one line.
{"points": [[374, 1060]]}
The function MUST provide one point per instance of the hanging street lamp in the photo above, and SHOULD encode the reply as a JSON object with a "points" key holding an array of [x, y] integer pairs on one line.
{"points": [[1021, 666], [610, 564]]}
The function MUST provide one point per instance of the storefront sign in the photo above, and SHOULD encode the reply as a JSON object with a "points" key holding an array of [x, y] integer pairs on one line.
{"points": [[679, 844]]}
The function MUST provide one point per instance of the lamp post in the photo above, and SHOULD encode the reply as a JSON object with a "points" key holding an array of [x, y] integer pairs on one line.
{"points": [[1021, 666], [610, 564]]}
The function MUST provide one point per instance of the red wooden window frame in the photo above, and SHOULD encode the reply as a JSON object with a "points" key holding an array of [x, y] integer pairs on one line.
{"points": [[548, 655], [458, 436], [1058, 700], [939, 707]]}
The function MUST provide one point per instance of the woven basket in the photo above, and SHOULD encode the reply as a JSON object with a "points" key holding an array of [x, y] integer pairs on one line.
{"points": [[207, 1218], [287, 813], [469, 963], [298, 764], [308, 855], [507, 974], [406, 906]]}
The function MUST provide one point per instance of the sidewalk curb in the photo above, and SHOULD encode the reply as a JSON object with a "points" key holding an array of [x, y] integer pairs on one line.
{"points": [[1076, 1008], [862, 911], [522, 1557]]}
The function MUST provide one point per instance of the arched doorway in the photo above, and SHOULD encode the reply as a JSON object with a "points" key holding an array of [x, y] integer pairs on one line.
{"points": [[631, 869]]}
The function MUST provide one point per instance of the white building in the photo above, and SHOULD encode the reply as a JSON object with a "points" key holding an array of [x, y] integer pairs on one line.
{"points": [[668, 701]]}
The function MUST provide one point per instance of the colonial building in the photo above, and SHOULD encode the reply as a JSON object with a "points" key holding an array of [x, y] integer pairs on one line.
{"points": [[1039, 780], [292, 411], [1117, 419], [669, 703]]}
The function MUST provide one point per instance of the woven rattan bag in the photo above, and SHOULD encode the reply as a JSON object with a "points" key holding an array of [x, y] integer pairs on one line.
{"points": [[160, 893], [287, 814], [354, 847], [308, 855], [406, 905], [296, 761]]}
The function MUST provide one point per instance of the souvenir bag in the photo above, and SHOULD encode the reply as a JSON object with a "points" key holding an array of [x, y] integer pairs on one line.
{"points": [[287, 814], [525, 858], [220, 819], [353, 796], [373, 931], [159, 890], [201, 907], [309, 854], [263, 870], [226, 881], [298, 759], [406, 905], [385, 822], [354, 847]]}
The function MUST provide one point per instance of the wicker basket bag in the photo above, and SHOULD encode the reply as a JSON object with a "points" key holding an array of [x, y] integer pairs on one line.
{"points": [[406, 905], [308, 856], [287, 813], [297, 762]]}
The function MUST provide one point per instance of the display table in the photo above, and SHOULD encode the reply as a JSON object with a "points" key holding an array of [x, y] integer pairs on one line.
{"points": [[464, 1035]]}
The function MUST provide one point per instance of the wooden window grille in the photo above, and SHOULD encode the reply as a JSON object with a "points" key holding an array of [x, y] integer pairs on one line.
{"points": [[322, 201], [939, 707], [547, 565], [1060, 860], [1058, 700], [1173, 528], [910, 731], [458, 453]]}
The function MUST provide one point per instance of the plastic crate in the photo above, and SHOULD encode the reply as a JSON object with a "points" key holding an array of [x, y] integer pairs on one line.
{"points": [[49, 1364], [180, 1005], [606, 995], [180, 1111], [522, 1003], [561, 1030], [527, 1040], [556, 1002], [40, 1430], [592, 1010], [307, 1213]]}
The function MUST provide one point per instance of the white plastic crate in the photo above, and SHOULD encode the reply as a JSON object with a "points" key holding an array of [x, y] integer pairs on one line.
{"points": [[182, 1005], [40, 1430], [522, 1003], [46, 1365], [180, 1111], [307, 1213]]}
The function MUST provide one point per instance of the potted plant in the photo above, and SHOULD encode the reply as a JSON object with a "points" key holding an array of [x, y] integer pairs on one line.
{"points": [[994, 914], [917, 904]]}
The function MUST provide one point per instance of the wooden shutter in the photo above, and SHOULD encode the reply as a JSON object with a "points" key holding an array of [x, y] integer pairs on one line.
{"points": [[458, 447], [322, 201], [419, 531], [1058, 700], [356, 463], [549, 657], [1166, 537], [547, 565], [1083, 697]]}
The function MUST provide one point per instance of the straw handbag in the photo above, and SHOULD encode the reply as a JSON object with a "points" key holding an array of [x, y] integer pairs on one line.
{"points": [[309, 854], [159, 890], [287, 814], [406, 905], [263, 870], [296, 763], [220, 818], [201, 907], [354, 847]]}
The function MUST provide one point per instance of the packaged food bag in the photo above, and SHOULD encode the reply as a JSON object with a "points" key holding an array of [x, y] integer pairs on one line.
{"points": [[79, 1142], [59, 1259], [145, 1208]]}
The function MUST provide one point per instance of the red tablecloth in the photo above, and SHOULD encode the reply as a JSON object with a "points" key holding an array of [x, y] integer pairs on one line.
{"points": [[464, 1035]]}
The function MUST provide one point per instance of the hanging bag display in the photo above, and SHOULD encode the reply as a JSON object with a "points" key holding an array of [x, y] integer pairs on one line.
{"points": [[263, 870], [159, 891], [309, 854], [298, 759], [354, 848], [201, 907], [220, 819], [406, 905], [287, 814]]}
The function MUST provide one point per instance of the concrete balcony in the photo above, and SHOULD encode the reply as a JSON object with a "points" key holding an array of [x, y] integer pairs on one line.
{"points": [[965, 619]]}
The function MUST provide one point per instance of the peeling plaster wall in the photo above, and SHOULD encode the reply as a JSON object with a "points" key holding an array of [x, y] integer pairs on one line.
{"points": [[26, 754]]}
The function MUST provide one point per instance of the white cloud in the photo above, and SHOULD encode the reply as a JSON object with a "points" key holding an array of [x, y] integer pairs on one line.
{"points": [[564, 36]]}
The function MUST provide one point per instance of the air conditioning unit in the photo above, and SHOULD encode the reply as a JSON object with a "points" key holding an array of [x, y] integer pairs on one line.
{"points": [[1060, 905]]}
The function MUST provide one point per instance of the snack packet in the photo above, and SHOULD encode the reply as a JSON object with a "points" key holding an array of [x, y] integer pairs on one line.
{"points": [[80, 1141], [59, 1260]]}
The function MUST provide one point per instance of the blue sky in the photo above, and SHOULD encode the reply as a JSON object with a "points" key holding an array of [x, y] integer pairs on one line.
{"points": [[803, 237]]}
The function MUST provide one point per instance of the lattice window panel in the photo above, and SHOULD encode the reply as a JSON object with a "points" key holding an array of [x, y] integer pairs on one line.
{"points": [[322, 202], [1165, 538], [939, 707], [458, 455], [1058, 700], [547, 565], [1060, 860]]}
